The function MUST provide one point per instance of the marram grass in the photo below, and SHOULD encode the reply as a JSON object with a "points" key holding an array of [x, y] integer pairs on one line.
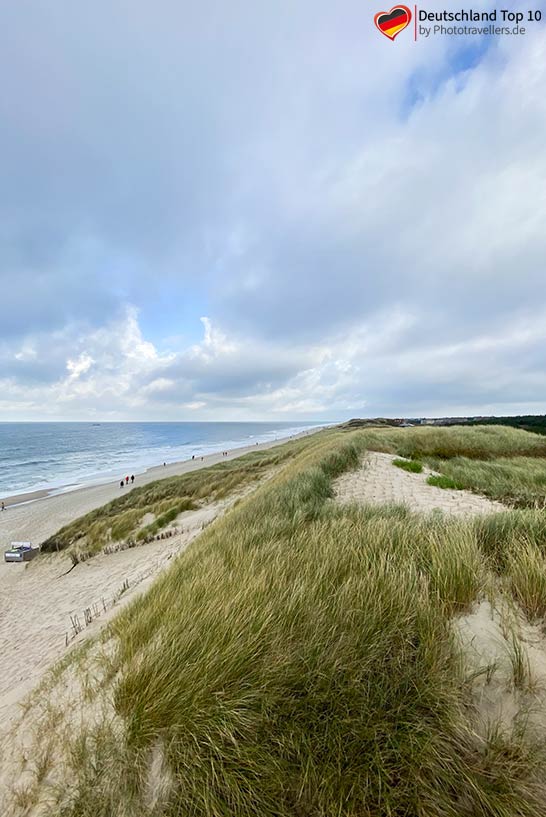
{"points": [[298, 661], [446, 483], [413, 466], [165, 499], [507, 464]]}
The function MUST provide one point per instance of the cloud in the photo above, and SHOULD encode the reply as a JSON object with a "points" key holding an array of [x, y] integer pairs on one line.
{"points": [[79, 366], [359, 245], [434, 212], [114, 372]]}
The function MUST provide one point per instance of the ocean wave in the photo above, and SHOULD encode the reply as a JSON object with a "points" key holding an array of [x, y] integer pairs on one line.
{"points": [[77, 462]]}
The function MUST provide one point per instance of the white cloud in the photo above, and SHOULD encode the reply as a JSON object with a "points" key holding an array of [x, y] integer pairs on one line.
{"points": [[214, 344], [194, 406], [360, 241], [376, 365], [79, 366], [27, 352]]}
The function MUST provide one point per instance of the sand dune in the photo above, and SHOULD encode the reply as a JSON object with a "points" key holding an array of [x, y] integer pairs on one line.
{"points": [[37, 599], [37, 516], [378, 482]]}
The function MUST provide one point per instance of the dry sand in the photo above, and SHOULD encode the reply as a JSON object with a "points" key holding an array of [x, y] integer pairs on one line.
{"points": [[35, 620], [379, 482], [489, 636], [492, 635], [37, 519], [37, 599]]}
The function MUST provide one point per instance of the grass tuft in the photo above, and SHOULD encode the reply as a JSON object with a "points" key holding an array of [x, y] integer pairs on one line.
{"points": [[527, 576], [413, 466], [442, 481]]}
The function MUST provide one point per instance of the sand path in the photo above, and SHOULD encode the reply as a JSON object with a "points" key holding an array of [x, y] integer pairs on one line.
{"points": [[379, 482]]}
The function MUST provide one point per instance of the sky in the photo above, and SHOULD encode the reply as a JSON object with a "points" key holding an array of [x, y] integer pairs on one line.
{"points": [[252, 211]]}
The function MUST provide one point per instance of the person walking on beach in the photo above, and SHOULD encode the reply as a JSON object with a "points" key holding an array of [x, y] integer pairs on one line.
{"points": [[127, 480], [121, 484], [132, 478], [3, 507]]}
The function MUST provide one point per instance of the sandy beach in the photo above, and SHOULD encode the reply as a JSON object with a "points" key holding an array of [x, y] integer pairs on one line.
{"points": [[35, 516], [38, 599]]}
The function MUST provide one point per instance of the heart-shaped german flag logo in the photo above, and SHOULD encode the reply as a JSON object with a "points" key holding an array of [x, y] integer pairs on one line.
{"points": [[391, 23]]}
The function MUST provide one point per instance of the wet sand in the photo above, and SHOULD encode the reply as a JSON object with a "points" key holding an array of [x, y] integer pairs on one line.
{"points": [[38, 598], [36, 516]]}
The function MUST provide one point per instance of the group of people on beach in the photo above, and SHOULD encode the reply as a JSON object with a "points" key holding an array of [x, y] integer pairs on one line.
{"points": [[126, 481]]}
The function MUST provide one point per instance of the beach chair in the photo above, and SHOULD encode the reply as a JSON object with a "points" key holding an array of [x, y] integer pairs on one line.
{"points": [[21, 552]]}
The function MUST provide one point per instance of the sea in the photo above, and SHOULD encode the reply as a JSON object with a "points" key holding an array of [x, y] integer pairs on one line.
{"points": [[63, 456]]}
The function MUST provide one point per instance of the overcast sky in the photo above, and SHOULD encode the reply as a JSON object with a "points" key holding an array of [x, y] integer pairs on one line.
{"points": [[233, 211]]}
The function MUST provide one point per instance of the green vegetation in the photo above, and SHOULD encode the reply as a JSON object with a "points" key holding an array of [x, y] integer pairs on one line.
{"points": [[165, 518], [514, 544], [414, 466], [375, 422], [528, 422], [498, 533], [298, 659], [165, 499], [518, 481], [527, 575], [506, 464], [444, 482], [480, 443]]}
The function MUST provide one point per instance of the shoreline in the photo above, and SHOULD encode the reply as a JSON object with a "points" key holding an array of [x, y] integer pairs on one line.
{"points": [[39, 598], [36, 517], [31, 496]]}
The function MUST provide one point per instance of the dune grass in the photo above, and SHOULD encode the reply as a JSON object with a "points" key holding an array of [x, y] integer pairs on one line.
{"points": [[526, 570], [413, 466], [498, 534], [165, 499], [517, 481], [506, 464], [513, 544], [298, 660], [441, 481], [473, 442]]}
